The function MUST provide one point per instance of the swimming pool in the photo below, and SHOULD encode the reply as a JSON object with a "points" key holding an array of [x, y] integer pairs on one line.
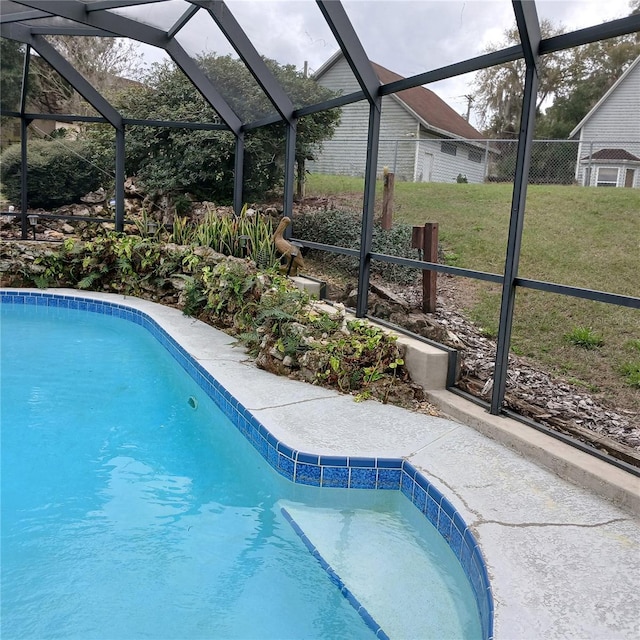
{"points": [[137, 487]]}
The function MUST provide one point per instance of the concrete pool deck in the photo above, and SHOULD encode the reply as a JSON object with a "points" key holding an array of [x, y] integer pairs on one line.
{"points": [[564, 562]]}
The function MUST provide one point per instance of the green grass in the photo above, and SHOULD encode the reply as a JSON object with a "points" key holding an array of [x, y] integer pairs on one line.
{"points": [[584, 237], [584, 337], [631, 373]]}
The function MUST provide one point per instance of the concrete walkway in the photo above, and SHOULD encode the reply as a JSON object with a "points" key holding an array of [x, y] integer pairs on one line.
{"points": [[564, 562]]}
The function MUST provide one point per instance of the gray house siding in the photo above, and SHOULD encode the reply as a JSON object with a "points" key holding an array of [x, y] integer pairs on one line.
{"points": [[404, 146], [434, 165], [613, 124], [346, 152]]}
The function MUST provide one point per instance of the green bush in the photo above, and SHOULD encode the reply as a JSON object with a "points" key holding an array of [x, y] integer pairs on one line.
{"points": [[343, 230], [57, 174], [200, 162]]}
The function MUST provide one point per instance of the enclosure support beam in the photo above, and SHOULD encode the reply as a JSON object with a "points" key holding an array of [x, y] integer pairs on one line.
{"points": [[529, 28], [238, 174], [22, 16], [243, 46], [68, 72], [368, 207], [23, 175], [341, 27], [24, 123], [289, 169], [120, 178], [182, 21], [120, 26]]}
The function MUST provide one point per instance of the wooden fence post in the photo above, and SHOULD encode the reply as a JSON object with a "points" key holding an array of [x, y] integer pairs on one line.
{"points": [[425, 239], [387, 199], [429, 278]]}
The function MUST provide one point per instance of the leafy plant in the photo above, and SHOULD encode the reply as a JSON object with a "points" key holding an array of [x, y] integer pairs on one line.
{"points": [[584, 337], [240, 236], [194, 296], [201, 162], [631, 373], [359, 356]]}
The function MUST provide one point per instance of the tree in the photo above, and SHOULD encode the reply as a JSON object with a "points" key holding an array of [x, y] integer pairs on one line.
{"points": [[173, 160], [107, 63], [498, 90], [12, 57], [571, 81], [596, 67]]}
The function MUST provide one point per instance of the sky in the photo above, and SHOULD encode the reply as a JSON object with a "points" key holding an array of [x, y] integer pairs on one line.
{"points": [[407, 37]]}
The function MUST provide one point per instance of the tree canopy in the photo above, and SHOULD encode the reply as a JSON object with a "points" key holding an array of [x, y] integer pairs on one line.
{"points": [[570, 83], [202, 162], [594, 69], [498, 90], [106, 63], [12, 56]]}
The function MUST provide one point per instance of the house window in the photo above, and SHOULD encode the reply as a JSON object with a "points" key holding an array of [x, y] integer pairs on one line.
{"points": [[449, 148], [475, 155], [607, 177]]}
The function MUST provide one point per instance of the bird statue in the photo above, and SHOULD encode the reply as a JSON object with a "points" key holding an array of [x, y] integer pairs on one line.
{"points": [[287, 249]]}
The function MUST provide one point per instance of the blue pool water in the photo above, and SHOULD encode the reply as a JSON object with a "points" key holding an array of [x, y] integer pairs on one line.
{"points": [[133, 508]]}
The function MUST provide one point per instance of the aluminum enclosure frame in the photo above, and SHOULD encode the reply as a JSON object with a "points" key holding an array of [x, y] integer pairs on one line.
{"points": [[76, 17]]}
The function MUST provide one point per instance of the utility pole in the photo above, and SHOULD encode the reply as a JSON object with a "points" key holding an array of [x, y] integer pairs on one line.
{"points": [[469, 98]]}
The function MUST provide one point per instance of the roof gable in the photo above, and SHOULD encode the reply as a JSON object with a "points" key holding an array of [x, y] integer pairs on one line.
{"points": [[611, 154], [431, 109], [635, 64]]}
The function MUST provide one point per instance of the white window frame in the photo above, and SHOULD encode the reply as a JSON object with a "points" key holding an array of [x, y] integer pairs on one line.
{"points": [[607, 183]]}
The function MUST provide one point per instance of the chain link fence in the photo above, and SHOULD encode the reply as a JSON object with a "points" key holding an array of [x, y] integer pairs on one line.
{"points": [[564, 162]]}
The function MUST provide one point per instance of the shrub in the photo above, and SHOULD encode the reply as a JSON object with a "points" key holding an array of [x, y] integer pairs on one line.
{"points": [[343, 229], [57, 174]]}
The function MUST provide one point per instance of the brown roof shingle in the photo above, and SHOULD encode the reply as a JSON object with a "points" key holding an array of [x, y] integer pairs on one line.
{"points": [[430, 107], [612, 154]]}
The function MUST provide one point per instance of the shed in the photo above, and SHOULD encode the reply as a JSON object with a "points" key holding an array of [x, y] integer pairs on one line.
{"points": [[422, 139]]}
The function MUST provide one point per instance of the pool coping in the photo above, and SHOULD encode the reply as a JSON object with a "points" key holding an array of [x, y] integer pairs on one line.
{"points": [[519, 513]]}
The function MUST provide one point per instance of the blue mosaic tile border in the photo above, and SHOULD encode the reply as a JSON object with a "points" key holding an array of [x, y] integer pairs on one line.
{"points": [[306, 468]]}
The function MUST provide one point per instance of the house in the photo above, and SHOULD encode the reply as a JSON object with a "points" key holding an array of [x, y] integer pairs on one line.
{"points": [[422, 139], [609, 136]]}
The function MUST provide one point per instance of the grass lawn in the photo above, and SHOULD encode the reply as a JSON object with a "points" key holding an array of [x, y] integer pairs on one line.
{"points": [[585, 237]]}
